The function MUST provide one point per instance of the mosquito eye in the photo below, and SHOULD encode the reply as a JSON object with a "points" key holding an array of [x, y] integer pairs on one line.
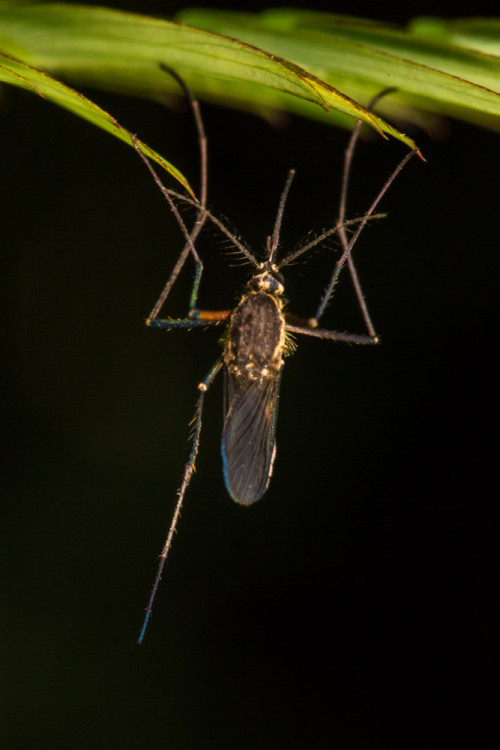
{"points": [[259, 282], [274, 285]]}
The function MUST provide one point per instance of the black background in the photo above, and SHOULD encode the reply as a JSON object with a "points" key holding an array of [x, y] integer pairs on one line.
{"points": [[356, 605]]}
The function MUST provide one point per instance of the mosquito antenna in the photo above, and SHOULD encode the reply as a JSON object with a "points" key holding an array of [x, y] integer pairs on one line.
{"points": [[346, 173], [273, 241], [318, 239]]}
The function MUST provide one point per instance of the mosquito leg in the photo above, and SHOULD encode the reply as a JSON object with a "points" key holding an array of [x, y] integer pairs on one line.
{"points": [[190, 237], [309, 328], [172, 324], [213, 317], [347, 250], [202, 145], [202, 138], [346, 173], [196, 319], [326, 333], [188, 472], [341, 223], [341, 228]]}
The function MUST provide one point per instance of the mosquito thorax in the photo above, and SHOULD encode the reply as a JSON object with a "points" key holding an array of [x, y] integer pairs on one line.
{"points": [[268, 281]]}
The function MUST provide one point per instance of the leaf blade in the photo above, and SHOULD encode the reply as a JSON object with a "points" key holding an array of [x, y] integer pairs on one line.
{"points": [[20, 74], [123, 51]]}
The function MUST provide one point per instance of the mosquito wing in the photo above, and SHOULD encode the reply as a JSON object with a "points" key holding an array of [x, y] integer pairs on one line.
{"points": [[249, 436]]}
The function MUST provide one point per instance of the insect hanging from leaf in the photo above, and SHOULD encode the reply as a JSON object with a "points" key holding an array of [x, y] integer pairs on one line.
{"points": [[257, 332]]}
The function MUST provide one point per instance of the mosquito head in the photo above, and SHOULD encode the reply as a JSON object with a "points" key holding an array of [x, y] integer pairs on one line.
{"points": [[267, 280]]}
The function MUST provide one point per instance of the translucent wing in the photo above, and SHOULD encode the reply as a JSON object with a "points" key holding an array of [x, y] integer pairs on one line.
{"points": [[248, 438]]}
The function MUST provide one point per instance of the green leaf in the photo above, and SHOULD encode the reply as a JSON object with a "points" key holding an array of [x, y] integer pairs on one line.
{"points": [[443, 75], [315, 64], [122, 52], [481, 34], [19, 74]]}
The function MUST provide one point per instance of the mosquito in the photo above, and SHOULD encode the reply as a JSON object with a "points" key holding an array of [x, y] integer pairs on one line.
{"points": [[257, 332]]}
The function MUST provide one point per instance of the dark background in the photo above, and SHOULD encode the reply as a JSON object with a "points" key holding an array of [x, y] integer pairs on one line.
{"points": [[356, 605]]}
